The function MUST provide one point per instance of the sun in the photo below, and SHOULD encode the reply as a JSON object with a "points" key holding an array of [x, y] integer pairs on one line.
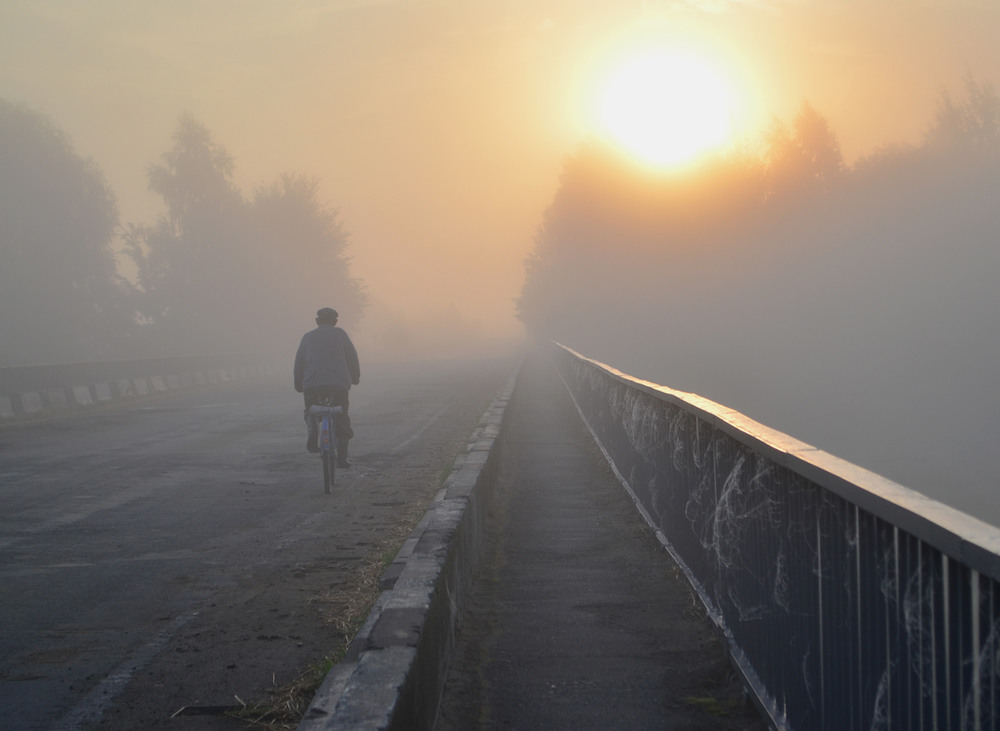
{"points": [[665, 106]]}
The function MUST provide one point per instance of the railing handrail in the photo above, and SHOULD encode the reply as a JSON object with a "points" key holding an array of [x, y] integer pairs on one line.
{"points": [[961, 536], [847, 600]]}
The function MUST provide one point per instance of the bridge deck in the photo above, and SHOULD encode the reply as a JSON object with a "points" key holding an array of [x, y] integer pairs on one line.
{"points": [[578, 617]]}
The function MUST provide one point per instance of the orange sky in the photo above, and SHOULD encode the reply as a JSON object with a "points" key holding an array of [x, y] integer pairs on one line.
{"points": [[438, 128]]}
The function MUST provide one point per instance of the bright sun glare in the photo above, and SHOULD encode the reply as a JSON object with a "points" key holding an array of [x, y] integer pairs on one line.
{"points": [[666, 107]]}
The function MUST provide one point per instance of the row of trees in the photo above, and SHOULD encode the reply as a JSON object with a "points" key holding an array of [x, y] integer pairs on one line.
{"points": [[611, 215], [219, 271], [853, 306]]}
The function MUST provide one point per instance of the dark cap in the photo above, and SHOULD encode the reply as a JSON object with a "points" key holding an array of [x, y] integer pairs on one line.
{"points": [[327, 314]]}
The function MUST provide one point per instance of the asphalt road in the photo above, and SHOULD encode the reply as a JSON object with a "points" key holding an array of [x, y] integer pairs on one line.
{"points": [[179, 550]]}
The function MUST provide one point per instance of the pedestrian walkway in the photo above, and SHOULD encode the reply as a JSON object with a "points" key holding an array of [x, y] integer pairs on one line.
{"points": [[578, 618]]}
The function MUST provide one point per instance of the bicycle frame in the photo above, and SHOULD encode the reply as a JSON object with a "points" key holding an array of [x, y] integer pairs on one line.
{"points": [[325, 416]]}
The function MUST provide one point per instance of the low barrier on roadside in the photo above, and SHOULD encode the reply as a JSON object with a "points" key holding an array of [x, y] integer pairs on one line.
{"points": [[393, 673], [849, 601], [32, 390]]}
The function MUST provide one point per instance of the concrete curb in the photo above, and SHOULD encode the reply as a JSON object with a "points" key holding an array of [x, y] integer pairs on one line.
{"points": [[80, 386], [394, 670]]}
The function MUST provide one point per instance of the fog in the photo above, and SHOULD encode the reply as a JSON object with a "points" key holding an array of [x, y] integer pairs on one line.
{"points": [[855, 308], [399, 160]]}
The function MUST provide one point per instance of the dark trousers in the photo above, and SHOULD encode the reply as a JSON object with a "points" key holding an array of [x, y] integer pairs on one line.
{"points": [[337, 397]]}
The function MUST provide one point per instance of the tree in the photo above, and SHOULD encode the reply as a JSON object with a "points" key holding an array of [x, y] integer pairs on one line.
{"points": [[804, 159], [220, 272], [303, 253], [195, 176], [610, 217], [190, 262], [972, 125], [60, 293]]}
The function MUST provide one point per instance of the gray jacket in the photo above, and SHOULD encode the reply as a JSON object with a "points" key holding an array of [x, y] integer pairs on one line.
{"points": [[326, 357]]}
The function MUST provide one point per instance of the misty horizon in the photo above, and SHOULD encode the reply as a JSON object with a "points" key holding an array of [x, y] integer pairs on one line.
{"points": [[480, 104], [403, 161]]}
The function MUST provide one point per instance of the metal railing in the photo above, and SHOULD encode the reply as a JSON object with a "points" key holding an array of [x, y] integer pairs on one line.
{"points": [[33, 389], [849, 601]]}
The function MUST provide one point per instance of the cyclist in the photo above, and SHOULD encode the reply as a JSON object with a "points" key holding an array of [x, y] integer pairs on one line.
{"points": [[326, 364]]}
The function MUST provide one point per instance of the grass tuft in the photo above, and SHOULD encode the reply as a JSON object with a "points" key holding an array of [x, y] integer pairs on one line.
{"points": [[286, 706]]}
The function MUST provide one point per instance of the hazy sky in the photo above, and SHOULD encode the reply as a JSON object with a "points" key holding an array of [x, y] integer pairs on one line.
{"points": [[439, 128]]}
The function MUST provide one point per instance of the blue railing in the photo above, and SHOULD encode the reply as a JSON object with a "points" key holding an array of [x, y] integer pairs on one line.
{"points": [[849, 602]]}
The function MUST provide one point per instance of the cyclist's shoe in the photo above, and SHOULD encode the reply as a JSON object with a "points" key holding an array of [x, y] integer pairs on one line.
{"points": [[343, 463]]}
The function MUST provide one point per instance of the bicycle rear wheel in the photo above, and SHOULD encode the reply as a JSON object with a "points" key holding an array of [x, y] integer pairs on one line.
{"points": [[329, 468], [329, 454]]}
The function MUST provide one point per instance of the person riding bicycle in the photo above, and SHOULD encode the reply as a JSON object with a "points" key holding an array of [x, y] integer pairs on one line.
{"points": [[326, 365]]}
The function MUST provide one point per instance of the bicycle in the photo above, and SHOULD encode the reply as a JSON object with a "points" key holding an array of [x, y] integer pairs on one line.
{"points": [[325, 414]]}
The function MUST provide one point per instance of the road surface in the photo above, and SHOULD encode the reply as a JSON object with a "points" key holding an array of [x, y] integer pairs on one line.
{"points": [[179, 550], [577, 617]]}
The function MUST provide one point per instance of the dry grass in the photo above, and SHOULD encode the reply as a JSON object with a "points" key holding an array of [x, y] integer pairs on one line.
{"points": [[286, 706], [346, 610]]}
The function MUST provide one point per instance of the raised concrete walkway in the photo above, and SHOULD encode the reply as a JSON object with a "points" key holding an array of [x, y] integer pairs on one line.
{"points": [[577, 617]]}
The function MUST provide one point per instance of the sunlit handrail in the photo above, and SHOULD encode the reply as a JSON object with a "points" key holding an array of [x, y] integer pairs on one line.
{"points": [[849, 601]]}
